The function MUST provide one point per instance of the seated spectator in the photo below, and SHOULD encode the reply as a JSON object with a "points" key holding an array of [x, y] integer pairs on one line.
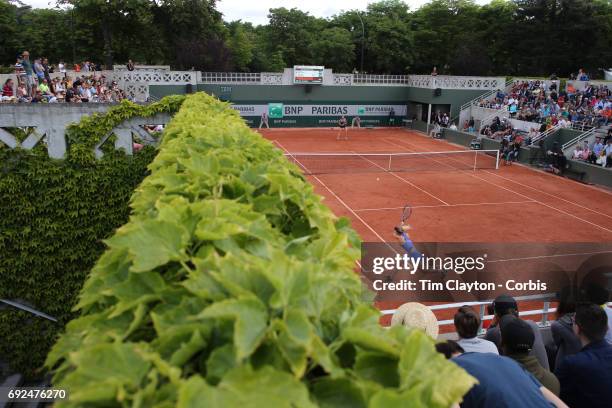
{"points": [[596, 150], [586, 377], [453, 126], [504, 305], [467, 324], [418, 316], [517, 341], [7, 91], [502, 382], [23, 95], [449, 348], [599, 295], [577, 153], [562, 329]]}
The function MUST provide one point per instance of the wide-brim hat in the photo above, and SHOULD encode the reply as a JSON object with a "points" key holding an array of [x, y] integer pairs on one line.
{"points": [[416, 315]]}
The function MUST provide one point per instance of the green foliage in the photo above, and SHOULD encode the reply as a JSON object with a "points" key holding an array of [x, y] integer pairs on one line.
{"points": [[53, 216], [233, 285]]}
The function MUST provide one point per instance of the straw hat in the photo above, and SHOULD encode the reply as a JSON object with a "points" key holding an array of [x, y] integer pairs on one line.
{"points": [[416, 315]]}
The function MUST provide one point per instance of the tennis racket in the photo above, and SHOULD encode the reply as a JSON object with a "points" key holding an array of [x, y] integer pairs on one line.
{"points": [[406, 213]]}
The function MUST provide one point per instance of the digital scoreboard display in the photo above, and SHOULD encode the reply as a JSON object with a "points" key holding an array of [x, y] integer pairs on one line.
{"points": [[308, 74]]}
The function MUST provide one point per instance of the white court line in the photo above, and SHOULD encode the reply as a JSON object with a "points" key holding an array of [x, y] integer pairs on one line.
{"points": [[448, 205], [529, 198], [552, 195], [334, 194], [404, 180]]}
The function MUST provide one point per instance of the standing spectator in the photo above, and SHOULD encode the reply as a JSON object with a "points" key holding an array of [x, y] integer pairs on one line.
{"points": [[504, 305], [62, 68], [29, 73], [471, 125], [586, 377], [130, 65], [47, 70], [39, 70], [434, 71], [596, 150], [467, 324], [517, 342]]}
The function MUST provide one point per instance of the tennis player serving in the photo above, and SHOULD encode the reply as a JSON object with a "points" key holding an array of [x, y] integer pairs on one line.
{"points": [[342, 125], [401, 231]]}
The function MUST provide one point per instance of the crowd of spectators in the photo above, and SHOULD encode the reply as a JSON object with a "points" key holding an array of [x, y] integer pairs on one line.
{"points": [[533, 101], [514, 367], [600, 152], [35, 84]]}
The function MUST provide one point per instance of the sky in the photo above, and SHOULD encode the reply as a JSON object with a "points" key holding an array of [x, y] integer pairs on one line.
{"points": [[256, 11]]}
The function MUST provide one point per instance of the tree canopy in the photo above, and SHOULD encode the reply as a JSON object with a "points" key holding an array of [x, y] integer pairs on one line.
{"points": [[459, 37]]}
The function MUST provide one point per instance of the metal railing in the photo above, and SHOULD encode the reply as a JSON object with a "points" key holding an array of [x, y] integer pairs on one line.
{"points": [[545, 311], [545, 134], [579, 138]]}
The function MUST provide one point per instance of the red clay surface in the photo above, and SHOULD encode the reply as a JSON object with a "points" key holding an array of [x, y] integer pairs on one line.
{"points": [[512, 204]]}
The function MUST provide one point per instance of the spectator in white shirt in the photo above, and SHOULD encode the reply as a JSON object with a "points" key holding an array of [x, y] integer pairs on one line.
{"points": [[467, 324]]}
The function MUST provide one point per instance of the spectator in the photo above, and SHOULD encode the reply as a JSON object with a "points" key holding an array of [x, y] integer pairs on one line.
{"points": [[596, 150], [607, 162], [356, 122], [62, 68], [417, 316], [471, 125], [586, 377], [562, 329], [449, 348], [599, 295], [513, 150], [453, 126], [504, 305], [577, 153], [39, 70], [130, 65], [467, 324], [434, 71], [29, 72], [517, 341], [7, 90], [502, 382]]}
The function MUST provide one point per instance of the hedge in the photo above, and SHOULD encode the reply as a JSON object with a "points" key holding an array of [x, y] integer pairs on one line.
{"points": [[53, 217], [233, 285]]}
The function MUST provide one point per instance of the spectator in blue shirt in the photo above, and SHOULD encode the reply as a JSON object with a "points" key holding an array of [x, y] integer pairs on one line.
{"points": [[502, 383], [586, 377]]}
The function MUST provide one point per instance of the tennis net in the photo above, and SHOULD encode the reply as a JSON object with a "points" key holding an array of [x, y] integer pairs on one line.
{"points": [[325, 163]]}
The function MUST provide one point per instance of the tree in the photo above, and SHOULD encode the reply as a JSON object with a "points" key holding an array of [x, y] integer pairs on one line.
{"points": [[334, 48], [292, 32], [389, 37], [241, 44]]}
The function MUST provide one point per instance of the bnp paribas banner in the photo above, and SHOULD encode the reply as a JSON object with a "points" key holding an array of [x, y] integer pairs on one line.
{"points": [[280, 110]]}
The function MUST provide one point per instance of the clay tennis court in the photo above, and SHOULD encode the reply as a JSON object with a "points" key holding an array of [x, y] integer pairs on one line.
{"points": [[451, 203]]}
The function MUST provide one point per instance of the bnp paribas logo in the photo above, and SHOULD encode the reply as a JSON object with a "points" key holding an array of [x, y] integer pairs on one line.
{"points": [[361, 110], [275, 110]]}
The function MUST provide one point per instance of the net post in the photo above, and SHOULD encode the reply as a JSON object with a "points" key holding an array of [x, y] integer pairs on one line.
{"points": [[475, 159], [389, 167], [497, 161]]}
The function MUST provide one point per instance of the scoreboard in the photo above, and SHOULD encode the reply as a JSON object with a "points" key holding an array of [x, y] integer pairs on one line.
{"points": [[308, 74]]}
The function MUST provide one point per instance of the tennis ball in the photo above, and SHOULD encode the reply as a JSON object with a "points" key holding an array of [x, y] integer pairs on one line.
{"points": [[377, 179]]}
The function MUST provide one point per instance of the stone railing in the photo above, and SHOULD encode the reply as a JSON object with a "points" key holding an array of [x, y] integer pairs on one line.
{"points": [[456, 82], [49, 122], [143, 67]]}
